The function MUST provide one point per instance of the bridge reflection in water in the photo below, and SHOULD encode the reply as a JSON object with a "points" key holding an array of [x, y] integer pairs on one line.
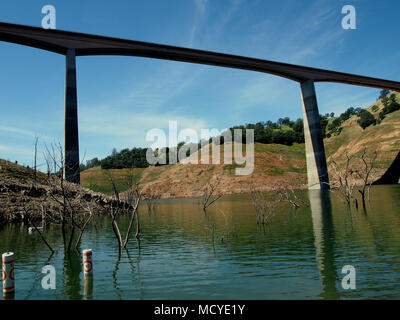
{"points": [[324, 234]]}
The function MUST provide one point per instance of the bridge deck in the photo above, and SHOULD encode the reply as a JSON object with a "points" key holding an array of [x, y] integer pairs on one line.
{"points": [[85, 44]]}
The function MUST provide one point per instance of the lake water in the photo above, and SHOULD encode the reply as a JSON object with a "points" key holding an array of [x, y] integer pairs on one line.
{"points": [[300, 255]]}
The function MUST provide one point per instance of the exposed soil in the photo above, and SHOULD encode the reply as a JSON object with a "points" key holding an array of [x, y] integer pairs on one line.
{"points": [[21, 192]]}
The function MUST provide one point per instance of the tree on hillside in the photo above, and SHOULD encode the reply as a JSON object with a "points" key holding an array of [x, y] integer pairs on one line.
{"points": [[329, 115], [114, 152], [134, 158], [298, 126], [335, 123], [390, 104], [284, 121], [271, 125], [358, 110], [90, 164], [324, 122], [350, 112], [383, 93], [366, 119]]}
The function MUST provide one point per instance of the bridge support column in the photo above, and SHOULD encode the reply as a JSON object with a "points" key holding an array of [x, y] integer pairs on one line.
{"points": [[317, 171], [71, 138]]}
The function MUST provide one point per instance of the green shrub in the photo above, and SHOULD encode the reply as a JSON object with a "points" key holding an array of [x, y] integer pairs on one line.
{"points": [[334, 124], [383, 93], [366, 119]]}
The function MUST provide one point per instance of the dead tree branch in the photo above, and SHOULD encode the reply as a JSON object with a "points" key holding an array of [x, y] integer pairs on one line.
{"points": [[209, 195], [367, 174], [265, 208]]}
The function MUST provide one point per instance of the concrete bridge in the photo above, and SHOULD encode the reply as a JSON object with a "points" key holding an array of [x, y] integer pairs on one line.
{"points": [[72, 44]]}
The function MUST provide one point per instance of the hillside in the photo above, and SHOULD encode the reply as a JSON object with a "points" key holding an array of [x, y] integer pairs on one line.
{"points": [[383, 138], [22, 193], [276, 166]]}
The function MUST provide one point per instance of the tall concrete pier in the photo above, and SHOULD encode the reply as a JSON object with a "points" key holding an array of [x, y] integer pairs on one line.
{"points": [[317, 171], [71, 139]]}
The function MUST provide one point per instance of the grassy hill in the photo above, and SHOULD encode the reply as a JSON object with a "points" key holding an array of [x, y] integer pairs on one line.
{"points": [[276, 165], [384, 138]]}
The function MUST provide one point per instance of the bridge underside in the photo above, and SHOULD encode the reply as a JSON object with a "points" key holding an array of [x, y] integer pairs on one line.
{"points": [[74, 44]]}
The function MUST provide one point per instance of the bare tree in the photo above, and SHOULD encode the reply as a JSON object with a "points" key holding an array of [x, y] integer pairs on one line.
{"points": [[290, 196], [81, 223], [227, 231], [35, 158], [345, 183], [57, 201], [133, 197], [151, 197], [67, 196], [29, 209], [265, 208], [213, 234], [61, 192], [366, 174], [114, 211], [48, 163], [209, 194], [349, 177], [133, 200]]}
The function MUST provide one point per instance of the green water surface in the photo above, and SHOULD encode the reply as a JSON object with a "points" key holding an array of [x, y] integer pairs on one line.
{"points": [[300, 255]]}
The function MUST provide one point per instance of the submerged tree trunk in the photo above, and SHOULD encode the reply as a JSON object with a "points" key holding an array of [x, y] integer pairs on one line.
{"points": [[70, 239], [82, 230], [137, 225], [117, 234], [129, 230], [41, 235]]}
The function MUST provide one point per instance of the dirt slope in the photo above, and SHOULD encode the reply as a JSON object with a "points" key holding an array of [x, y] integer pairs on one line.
{"points": [[383, 138], [21, 193], [276, 166]]}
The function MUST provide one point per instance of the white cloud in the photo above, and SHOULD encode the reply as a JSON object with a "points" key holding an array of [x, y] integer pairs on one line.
{"points": [[162, 85], [11, 150], [130, 126], [17, 131], [23, 132], [201, 6], [264, 89]]}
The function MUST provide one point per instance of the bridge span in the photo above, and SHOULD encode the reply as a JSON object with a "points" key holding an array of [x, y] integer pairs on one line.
{"points": [[73, 44]]}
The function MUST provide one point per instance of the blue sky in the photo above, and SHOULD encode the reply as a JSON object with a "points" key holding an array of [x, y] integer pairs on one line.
{"points": [[121, 98]]}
